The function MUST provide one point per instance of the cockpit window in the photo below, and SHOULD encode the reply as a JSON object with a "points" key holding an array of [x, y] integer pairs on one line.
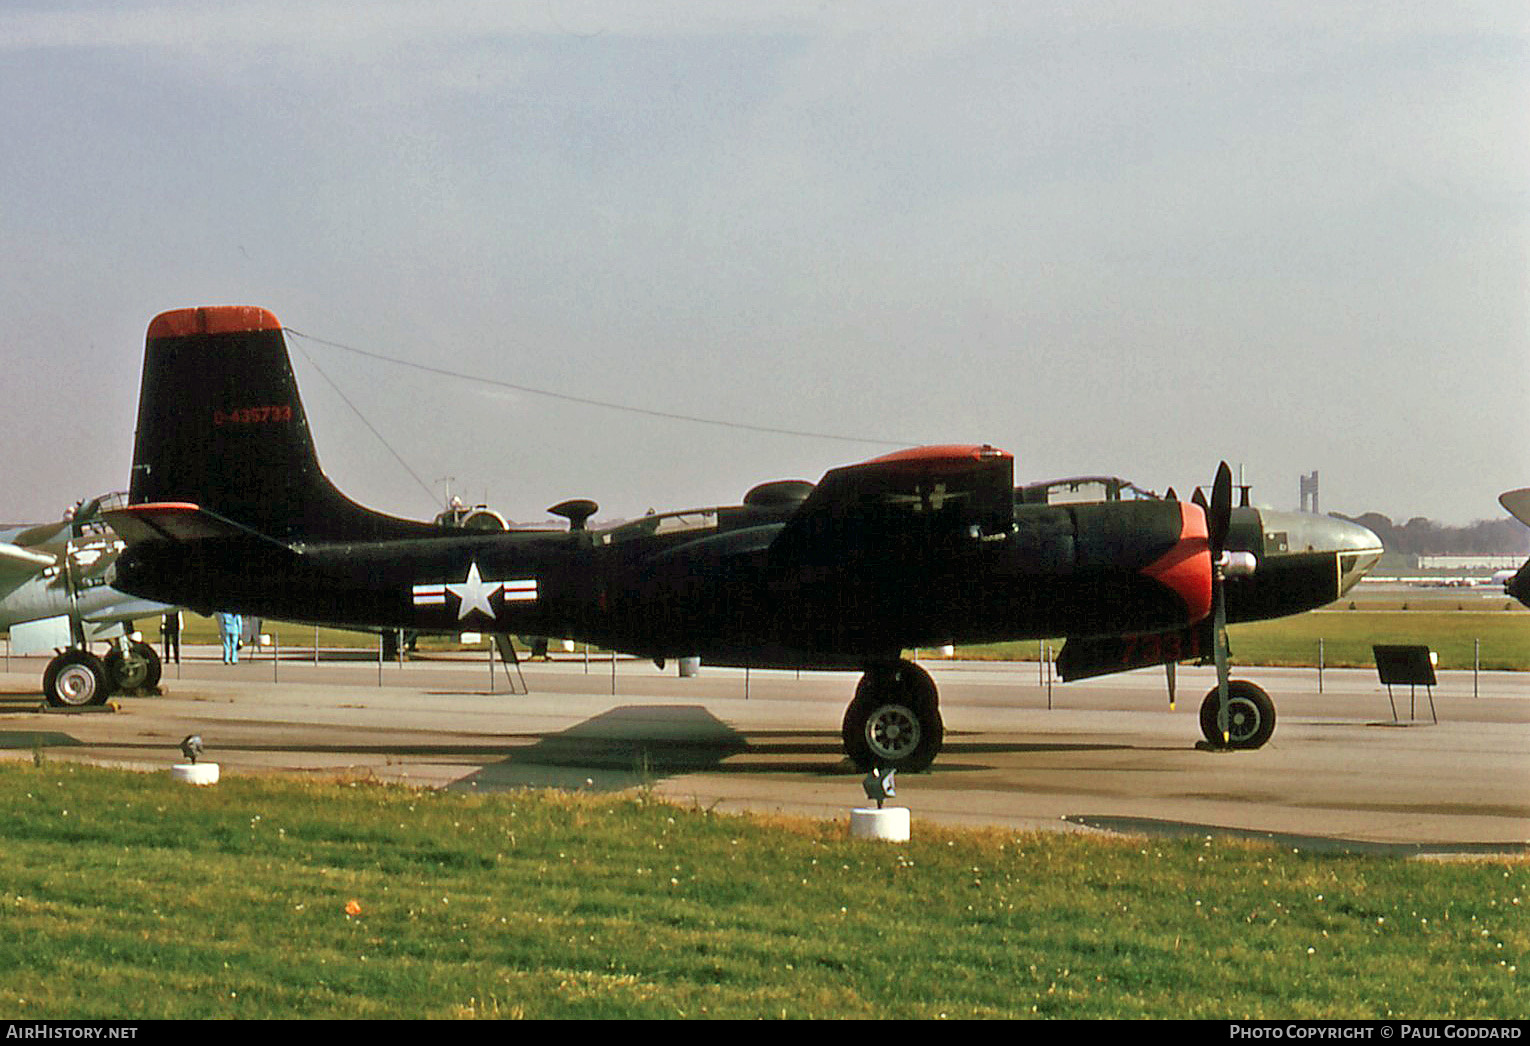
{"points": [[688, 521], [1083, 490]]}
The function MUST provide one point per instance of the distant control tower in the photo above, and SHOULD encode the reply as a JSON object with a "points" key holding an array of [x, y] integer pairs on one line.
{"points": [[1310, 490]]}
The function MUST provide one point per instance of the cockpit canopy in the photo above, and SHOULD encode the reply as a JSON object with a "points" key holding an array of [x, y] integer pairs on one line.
{"points": [[1081, 490]]}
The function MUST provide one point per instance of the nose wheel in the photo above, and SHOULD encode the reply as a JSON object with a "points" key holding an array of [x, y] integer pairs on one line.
{"points": [[894, 722], [1250, 716]]}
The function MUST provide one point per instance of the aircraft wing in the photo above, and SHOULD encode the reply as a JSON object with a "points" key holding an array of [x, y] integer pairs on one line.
{"points": [[17, 564], [947, 489], [43, 534]]}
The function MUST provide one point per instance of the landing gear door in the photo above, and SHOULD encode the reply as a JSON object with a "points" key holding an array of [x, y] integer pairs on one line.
{"points": [[42, 636]]}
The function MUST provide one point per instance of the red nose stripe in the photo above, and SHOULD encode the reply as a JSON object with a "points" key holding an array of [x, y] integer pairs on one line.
{"points": [[1186, 568]]}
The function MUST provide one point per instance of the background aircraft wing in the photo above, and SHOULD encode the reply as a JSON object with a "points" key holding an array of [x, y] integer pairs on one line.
{"points": [[17, 564], [44, 534]]}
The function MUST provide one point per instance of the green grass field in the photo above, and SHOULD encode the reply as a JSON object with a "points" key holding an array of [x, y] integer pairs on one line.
{"points": [[1501, 641], [129, 896]]}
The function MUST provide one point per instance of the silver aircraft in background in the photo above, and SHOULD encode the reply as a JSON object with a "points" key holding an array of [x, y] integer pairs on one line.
{"points": [[56, 594]]}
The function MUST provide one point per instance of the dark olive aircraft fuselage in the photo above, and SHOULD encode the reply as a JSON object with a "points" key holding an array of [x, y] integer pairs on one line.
{"points": [[229, 510], [717, 592]]}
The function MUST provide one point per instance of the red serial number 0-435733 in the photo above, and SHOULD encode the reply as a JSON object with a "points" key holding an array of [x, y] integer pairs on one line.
{"points": [[252, 416]]}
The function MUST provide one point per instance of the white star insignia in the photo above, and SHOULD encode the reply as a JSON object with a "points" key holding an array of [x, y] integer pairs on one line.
{"points": [[473, 594]]}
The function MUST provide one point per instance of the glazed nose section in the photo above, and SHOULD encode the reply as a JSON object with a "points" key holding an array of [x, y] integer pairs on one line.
{"points": [[1358, 548], [1186, 567], [1354, 548]]}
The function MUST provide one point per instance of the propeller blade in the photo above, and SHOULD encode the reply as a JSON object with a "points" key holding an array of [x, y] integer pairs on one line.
{"points": [[1219, 647], [1198, 498], [1219, 514], [1168, 667], [1218, 521]]}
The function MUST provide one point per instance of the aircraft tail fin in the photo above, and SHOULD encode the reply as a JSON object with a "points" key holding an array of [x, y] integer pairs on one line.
{"points": [[221, 428]]}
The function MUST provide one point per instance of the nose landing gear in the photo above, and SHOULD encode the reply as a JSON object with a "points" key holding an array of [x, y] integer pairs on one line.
{"points": [[1250, 716]]}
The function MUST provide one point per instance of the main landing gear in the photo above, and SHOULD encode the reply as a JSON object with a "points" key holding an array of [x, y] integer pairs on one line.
{"points": [[77, 678], [894, 722], [1250, 716]]}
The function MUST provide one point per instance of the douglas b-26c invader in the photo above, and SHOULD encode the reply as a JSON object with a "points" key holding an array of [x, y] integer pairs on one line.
{"points": [[229, 509]]}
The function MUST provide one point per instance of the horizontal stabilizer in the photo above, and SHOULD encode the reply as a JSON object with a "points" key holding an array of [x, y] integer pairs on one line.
{"points": [[177, 523]]}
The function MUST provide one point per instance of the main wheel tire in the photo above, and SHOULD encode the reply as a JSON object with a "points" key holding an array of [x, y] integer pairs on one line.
{"points": [[75, 679], [138, 668], [156, 666], [894, 722], [1250, 714]]}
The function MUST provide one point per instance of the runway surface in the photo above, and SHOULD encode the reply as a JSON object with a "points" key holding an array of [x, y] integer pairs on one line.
{"points": [[1340, 772]]}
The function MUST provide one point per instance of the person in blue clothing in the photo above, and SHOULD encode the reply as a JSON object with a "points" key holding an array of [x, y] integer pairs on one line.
{"points": [[230, 625]]}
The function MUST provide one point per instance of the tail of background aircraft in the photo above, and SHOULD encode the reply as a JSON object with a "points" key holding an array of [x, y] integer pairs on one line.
{"points": [[221, 427]]}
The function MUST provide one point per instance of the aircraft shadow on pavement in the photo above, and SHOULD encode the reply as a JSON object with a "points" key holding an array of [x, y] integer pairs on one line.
{"points": [[623, 748], [38, 739], [637, 744]]}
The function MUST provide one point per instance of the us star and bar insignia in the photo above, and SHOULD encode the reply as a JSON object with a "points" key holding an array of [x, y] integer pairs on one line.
{"points": [[473, 593]]}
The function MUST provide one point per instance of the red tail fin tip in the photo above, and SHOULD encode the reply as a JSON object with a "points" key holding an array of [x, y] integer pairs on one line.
{"points": [[213, 319]]}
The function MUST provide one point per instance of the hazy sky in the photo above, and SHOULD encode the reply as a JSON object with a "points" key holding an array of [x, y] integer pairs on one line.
{"points": [[1131, 238]]}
